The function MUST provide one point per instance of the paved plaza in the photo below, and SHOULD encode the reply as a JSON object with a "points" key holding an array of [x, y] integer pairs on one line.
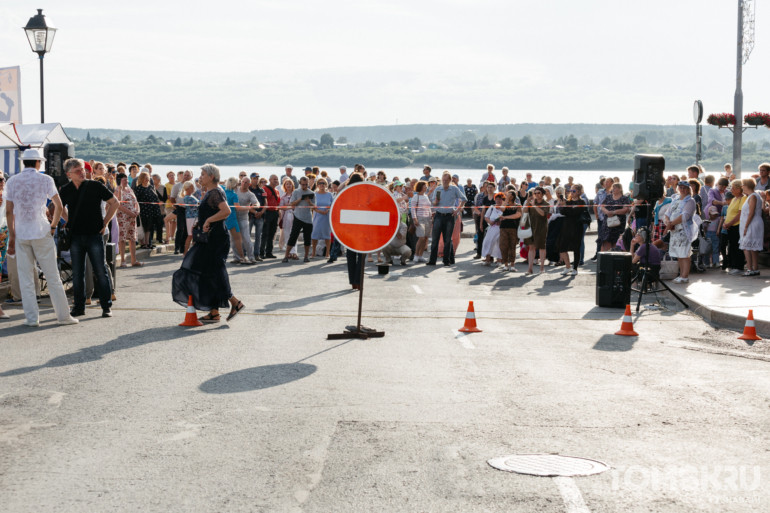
{"points": [[134, 413]]}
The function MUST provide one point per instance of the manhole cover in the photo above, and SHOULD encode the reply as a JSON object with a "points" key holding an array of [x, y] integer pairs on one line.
{"points": [[548, 465]]}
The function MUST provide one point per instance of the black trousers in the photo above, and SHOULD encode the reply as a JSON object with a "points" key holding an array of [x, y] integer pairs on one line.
{"points": [[159, 225], [734, 252], [268, 232], [181, 229], [355, 264], [443, 225], [300, 226]]}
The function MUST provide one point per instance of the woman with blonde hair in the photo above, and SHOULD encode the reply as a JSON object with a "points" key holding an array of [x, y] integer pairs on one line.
{"points": [[420, 207], [128, 211], [231, 222], [286, 219], [203, 275], [752, 228], [537, 209]]}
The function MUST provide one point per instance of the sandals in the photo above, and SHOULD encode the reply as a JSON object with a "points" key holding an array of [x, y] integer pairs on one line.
{"points": [[208, 318], [234, 310], [137, 264]]}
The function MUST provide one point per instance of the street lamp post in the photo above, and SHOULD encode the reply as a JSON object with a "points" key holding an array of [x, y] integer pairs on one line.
{"points": [[40, 35]]}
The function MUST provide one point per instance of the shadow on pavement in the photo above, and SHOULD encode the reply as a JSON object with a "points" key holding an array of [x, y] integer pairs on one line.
{"points": [[304, 301], [94, 353], [257, 378], [615, 343]]}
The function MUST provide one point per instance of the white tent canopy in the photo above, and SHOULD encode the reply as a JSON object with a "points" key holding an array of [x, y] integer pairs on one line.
{"points": [[39, 135]]}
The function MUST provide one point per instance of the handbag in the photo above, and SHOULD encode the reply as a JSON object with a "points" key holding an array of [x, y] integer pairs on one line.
{"points": [[669, 268], [524, 233], [65, 232], [613, 221], [199, 236], [585, 216]]}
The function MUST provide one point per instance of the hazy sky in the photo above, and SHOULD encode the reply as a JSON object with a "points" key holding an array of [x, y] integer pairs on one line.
{"points": [[260, 64]]}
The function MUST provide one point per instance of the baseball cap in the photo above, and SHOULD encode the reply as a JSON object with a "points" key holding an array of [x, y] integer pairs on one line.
{"points": [[254, 175]]}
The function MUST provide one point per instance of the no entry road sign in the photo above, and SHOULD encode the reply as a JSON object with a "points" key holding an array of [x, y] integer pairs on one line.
{"points": [[364, 217]]}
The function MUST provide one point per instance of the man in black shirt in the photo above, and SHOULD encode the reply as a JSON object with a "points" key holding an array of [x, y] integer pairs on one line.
{"points": [[272, 198], [83, 200]]}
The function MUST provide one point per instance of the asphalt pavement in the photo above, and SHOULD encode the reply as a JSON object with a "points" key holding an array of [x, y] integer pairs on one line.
{"points": [[263, 414]]}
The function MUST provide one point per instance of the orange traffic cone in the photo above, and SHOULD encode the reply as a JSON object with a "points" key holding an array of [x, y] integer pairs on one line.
{"points": [[749, 330], [191, 318], [470, 320], [627, 328]]}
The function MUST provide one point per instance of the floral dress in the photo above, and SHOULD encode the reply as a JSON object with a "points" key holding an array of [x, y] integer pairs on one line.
{"points": [[127, 223], [612, 234]]}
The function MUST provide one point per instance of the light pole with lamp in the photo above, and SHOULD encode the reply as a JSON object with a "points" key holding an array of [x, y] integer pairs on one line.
{"points": [[40, 35]]}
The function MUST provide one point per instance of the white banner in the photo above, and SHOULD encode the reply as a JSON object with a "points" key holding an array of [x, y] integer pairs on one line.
{"points": [[10, 95]]}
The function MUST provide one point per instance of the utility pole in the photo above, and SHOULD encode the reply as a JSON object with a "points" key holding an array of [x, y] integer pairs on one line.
{"points": [[745, 45]]}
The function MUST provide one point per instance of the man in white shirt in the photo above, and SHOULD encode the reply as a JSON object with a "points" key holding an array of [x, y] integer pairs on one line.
{"points": [[343, 174], [31, 236]]}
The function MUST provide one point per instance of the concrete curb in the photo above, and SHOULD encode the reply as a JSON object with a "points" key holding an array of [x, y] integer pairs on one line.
{"points": [[727, 320]]}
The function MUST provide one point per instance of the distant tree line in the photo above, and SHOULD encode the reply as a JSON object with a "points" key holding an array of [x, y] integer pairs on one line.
{"points": [[465, 150]]}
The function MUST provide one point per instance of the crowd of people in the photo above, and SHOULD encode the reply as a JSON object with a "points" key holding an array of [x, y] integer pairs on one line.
{"points": [[701, 221]]}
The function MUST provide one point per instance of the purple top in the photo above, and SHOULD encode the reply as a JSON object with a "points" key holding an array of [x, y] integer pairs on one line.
{"points": [[654, 254]]}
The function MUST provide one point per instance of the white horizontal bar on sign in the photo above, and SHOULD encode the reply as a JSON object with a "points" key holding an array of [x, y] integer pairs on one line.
{"points": [[368, 217]]}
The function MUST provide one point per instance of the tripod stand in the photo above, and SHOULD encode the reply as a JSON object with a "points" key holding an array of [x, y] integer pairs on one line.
{"points": [[646, 276]]}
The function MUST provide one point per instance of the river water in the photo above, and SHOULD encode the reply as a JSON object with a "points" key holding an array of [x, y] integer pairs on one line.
{"points": [[587, 178]]}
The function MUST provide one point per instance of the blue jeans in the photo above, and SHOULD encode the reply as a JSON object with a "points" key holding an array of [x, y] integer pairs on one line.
{"points": [[245, 239], [93, 247], [257, 224]]}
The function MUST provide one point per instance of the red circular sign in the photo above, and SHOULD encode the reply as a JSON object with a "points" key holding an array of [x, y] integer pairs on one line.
{"points": [[364, 217]]}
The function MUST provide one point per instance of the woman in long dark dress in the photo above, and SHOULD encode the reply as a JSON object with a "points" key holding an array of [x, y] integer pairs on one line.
{"points": [[571, 234], [203, 274], [149, 210]]}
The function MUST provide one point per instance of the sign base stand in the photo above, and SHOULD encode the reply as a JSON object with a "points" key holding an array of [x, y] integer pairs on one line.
{"points": [[358, 331], [361, 332]]}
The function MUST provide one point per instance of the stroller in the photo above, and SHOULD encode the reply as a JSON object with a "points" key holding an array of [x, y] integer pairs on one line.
{"points": [[701, 248]]}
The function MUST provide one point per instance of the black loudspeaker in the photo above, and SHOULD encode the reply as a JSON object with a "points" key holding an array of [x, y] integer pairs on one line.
{"points": [[55, 154], [613, 279], [649, 182]]}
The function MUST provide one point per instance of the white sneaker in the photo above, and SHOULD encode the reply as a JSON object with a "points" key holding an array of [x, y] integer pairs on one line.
{"points": [[679, 279], [573, 272], [565, 272], [502, 267], [736, 272], [70, 320], [31, 324]]}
